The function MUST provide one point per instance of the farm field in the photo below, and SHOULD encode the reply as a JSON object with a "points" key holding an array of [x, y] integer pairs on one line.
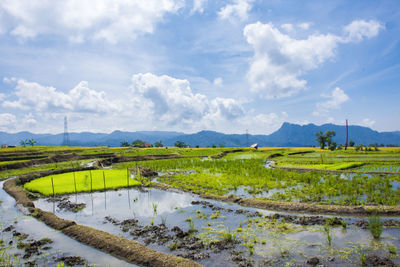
{"points": [[216, 206]]}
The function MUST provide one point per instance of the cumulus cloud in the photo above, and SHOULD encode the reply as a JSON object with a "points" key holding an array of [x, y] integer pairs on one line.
{"points": [[360, 29], [336, 99], [171, 101], [34, 96], [198, 6], [280, 60], [7, 120], [238, 10], [91, 19]]}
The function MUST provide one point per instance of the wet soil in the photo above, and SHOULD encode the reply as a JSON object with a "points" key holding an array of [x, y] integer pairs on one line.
{"points": [[224, 153], [64, 204], [374, 260], [183, 243], [118, 159], [53, 159]]}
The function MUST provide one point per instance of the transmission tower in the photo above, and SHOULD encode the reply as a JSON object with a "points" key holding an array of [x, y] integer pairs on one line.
{"points": [[66, 134]]}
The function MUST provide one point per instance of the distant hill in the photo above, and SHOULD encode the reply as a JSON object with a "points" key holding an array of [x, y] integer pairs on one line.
{"points": [[288, 135]]}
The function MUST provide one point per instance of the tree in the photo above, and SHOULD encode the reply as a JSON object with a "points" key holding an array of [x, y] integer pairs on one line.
{"points": [[124, 144], [158, 144], [332, 146], [213, 146], [321, 139], [328, 136], [32, 142], [137, 143], [180, 144], [351, 143], [23, 142]]}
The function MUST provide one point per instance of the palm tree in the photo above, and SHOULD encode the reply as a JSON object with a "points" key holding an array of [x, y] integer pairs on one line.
{"points": [[23, 142], [32, 142]]}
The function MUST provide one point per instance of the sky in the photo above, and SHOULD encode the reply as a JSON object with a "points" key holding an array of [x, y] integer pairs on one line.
{"points": [[192, 65]]}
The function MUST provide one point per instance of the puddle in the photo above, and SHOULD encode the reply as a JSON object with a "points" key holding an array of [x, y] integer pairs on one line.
{"points": [[268, 164], [222, 234], [62, 245]]}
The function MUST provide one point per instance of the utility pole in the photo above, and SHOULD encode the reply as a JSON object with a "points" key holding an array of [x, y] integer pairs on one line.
{"points": [[66, 134], [347, 135]]}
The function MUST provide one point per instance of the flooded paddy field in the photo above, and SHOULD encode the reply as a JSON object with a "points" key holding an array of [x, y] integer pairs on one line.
{"points": [[201, 204], [215, 233]]}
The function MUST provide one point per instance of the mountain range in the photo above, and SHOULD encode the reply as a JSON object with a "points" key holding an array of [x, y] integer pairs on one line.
{"points": [[289, 134]]}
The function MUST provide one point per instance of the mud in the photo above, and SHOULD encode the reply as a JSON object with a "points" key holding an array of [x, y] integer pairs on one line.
{"points": [[144, 171], [17, 192], [34, 247], [324, 209], [373, 260], [184, 243], [390, 223], [118, 159], [64, 204], [72, 260], [129, 250], [51, 220], [275, 155], [223, 154], [301, 152], [53, 159]]}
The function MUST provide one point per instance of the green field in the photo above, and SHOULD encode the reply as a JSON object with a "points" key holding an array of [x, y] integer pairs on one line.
{"points": [[219, 171], [85, 181]]}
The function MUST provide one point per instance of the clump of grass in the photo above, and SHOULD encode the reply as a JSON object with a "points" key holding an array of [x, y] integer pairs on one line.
{"points": [[215, 215], [326, 228], [392, 250], [173, 246], [375, 226], [155, 206]]}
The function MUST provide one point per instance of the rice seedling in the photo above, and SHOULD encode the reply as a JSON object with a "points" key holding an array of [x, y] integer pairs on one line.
{"points": [[375, 226]]}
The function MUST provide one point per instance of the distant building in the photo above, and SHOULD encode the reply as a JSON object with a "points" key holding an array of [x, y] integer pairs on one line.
{"points": [[254, 146], [4, 146]]}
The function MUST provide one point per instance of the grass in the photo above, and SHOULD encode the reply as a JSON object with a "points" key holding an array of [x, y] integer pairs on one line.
{"points": [[64, 183], [375, 226], [223, 176]]}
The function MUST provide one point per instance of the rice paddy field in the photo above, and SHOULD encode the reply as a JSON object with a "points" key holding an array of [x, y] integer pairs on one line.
{"points": [[198, 203]]}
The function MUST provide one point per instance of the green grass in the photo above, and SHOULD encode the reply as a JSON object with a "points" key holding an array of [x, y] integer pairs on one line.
{"points": [[220, 176], [332, 166], [64, 183]]}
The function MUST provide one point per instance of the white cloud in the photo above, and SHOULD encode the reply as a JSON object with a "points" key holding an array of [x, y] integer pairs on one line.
{"points": [[91, 19], [29, 119], [280, 60], [238, 10], [368, 122], [304, 25], [171, 101], [336, 99], [6, 120], [287, 27], [218, 81], [33, 96], [2, 96], [360, 29], [198, 6]]}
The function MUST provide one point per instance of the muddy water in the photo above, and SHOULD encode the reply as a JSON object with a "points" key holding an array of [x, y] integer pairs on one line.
{"points": [[62, 245], [261, 240]]}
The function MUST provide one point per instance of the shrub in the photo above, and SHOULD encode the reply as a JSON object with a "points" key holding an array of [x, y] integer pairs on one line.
{"points": [[375, 226]]}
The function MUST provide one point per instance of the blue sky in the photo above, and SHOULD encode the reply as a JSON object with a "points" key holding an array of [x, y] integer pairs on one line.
{"points": [[195, 65]]}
